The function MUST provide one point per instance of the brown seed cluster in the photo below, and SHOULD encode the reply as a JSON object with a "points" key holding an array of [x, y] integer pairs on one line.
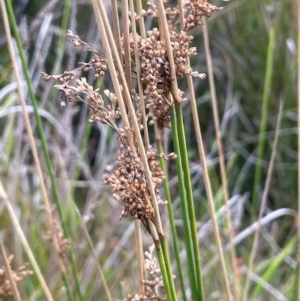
{"points": [[76, 92], [199, 8], [63, 243], [129, 185], [18, 276], [98, 63], [154, 286], [156, 70]]}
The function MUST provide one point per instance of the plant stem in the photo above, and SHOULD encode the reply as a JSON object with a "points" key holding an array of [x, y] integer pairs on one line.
{"points": [[221, 158], [186, 222], [262, 207], [190, 198], [172, 222], [169, 286], [263, 123]]}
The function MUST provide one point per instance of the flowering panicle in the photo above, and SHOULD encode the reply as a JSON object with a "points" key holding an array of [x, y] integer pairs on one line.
{"points": [[129, 185], [18, 276], [156, 70], [154, 287], [199, 9]]}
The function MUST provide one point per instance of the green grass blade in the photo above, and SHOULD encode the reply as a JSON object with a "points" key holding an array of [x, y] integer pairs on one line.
{"points": [[264, 117], [274, 266]]}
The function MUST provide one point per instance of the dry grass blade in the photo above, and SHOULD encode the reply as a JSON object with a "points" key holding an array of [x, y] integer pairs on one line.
{"points": [[221, 158], [262, 207]]}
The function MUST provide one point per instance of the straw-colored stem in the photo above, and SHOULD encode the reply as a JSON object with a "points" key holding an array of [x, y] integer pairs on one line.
{"points": [[141, 20], [166, 36], [262, 208], [264, 117], [140, 254], [106, 35], [24, 242], [138, 72], [138, 235], [221, 157], [126, 45], [116, 27], [12, 282]]}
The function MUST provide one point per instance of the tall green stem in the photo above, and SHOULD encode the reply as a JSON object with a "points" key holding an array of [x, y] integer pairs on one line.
{"points": [[172, 222], [196, 289], [190, 198], [264, 116]]}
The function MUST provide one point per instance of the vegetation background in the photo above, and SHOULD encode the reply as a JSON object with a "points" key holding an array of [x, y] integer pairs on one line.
{"points": [[83, 154]]}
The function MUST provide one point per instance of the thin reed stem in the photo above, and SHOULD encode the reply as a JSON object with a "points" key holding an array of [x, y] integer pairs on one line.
{"points": [[165, 33], [170, 289], [10, 277], [208, 193], [193, 277], [172, 221], [221, 158], [138, 72], [116, 27], [262, 208], [126, 45]]}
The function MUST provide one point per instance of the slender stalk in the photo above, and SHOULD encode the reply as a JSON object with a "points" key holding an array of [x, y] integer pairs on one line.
{"points": [[116, 26], [43, 139], [172, 222], [170, 290], [168, 267], [10, 277], [221, 157], [196, 294], [264, 116], [166, 35], [298, 251], [262, 208], [126, 45], [189, 193], [208, 192], [140, 254], [138, 72]]}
